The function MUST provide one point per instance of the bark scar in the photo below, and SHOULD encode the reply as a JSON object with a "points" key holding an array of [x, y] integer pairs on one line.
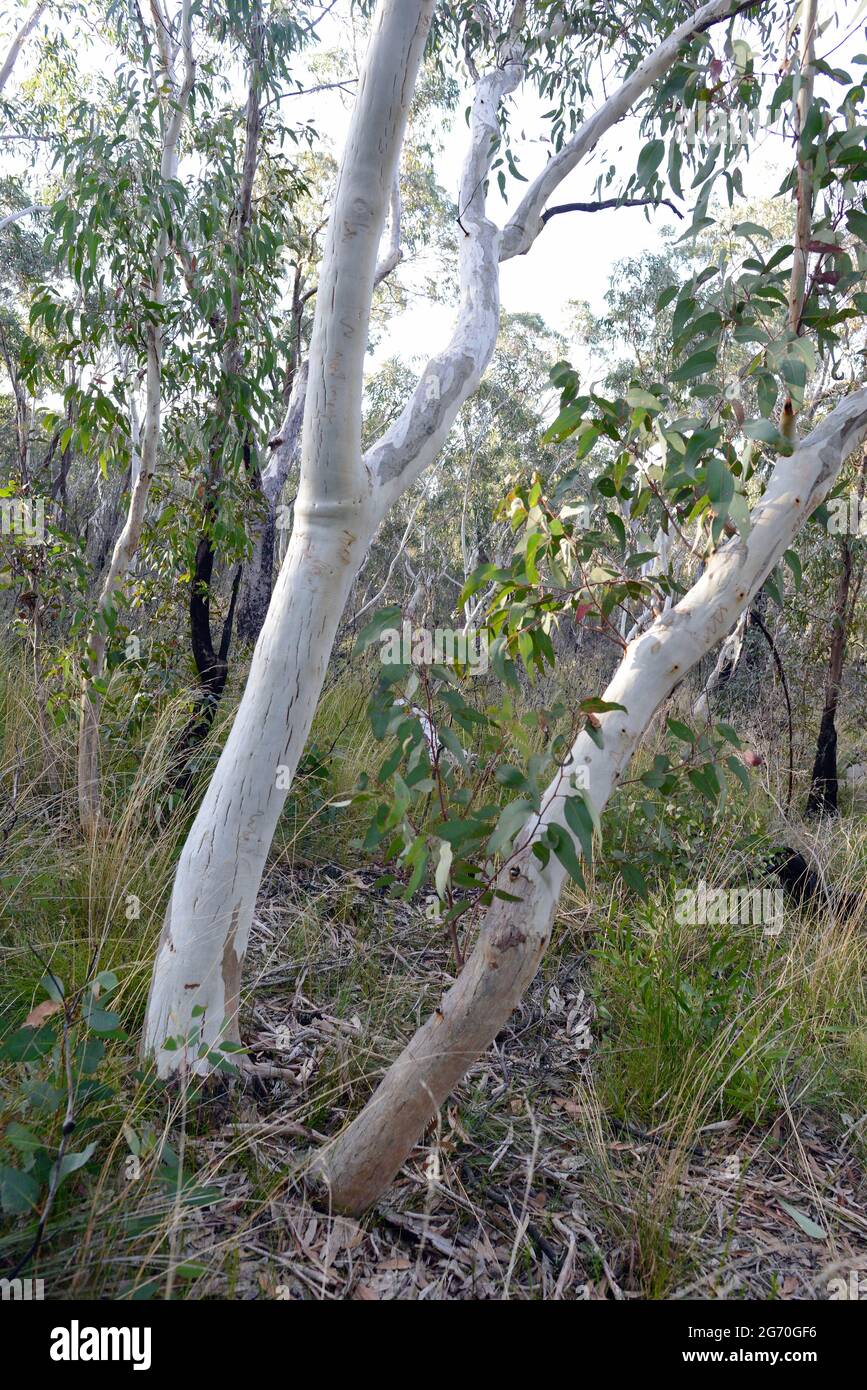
{"points": [[505, 937], [231, 969]]}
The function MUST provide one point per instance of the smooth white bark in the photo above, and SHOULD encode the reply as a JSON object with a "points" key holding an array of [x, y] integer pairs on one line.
{"points": [[415, 439], [209, 913], [256, 584]]}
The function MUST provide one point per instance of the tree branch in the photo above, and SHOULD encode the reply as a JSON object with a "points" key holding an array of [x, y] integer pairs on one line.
{"points": [[607, 203], [415, 438], [527, 221], [19, 41], [23, 212]]}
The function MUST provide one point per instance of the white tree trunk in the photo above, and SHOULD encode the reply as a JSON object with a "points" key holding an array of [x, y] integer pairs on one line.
{"points": [[344, 495], [208, 917], [255, 593], [361, 1163]]}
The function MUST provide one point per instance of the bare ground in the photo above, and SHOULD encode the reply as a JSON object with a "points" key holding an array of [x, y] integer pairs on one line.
{"points": [[523, 1189]]}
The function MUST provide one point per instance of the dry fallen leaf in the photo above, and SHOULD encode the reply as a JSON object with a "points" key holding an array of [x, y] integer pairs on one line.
{"points": [[345, 1234], [37, 1016]]}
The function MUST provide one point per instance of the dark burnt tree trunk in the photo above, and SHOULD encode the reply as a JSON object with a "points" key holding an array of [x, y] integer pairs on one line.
{"points": [[212, 666], [822, 799], [212, 663]]}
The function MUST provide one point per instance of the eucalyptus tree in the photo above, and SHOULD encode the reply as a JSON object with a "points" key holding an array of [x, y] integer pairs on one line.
{"points": [[664, 60], [212, 877], [161, 324], [175, 64]]}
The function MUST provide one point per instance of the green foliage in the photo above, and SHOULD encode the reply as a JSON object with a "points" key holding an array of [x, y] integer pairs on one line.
{"points": [[685, 1020], [572, 505], [58, 1057]]}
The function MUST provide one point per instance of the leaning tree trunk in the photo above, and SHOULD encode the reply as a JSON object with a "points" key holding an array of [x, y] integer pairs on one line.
{"points": [[364, 1159], [344, 494]]}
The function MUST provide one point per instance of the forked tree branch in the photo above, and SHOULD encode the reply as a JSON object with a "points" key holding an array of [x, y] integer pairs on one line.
{"points": [[527, 221]]}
